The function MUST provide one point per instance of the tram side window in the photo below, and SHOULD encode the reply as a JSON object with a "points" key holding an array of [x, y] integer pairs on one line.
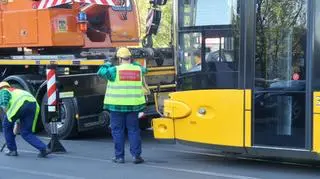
{"points": [[190, 52], [280, 44], [280, 88]]}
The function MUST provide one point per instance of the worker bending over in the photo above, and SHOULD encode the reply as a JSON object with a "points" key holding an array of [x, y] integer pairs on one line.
{"points": [[20, 105], [124, 99]]}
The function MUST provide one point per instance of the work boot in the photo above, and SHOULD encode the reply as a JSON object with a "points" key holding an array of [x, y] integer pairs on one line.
{"points": [[12, 153], [44, 153], [137, 160], [117, 160]]}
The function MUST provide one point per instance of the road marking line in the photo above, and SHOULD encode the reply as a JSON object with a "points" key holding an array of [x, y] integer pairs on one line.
{"points": [[159, 167], [203, 172], [33, 172]]}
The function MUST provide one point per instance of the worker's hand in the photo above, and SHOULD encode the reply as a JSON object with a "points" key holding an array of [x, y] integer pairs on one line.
{"points": [[146, 87], [108, 64], [16, 128], [146, 91]]}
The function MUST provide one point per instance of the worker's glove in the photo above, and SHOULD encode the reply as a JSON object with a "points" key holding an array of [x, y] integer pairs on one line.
{"points": [[16, 129], [108, 62], [146, 91]]}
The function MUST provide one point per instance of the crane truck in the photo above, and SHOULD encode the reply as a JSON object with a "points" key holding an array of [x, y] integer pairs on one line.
{"points": [[76, 36]]}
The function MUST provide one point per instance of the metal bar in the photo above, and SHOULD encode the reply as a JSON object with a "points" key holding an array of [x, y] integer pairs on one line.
{"points": [[152, 71], [3, 146], [312, 7], [158, 73], [70, 63], [163, 86]]}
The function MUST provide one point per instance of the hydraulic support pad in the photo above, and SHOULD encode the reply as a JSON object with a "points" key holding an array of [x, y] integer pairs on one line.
{"points": [[53, 110]]}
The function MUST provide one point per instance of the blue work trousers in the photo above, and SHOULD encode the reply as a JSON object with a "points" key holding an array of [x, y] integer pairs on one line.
{"points": [[26, 115], [119, 122]]}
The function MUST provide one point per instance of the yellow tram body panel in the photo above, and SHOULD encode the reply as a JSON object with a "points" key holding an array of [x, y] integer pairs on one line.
{"points": [[316, 122], [204, 116], [248, 119], [222, 118], [163, 128]]}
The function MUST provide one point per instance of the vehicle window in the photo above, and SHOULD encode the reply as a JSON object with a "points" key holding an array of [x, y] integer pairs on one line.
{"points": [[203, 12], [209, 41], [190, 52], [281, 28]]}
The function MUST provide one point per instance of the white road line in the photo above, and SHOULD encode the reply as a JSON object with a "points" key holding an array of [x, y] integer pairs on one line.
{"points": [[203, 172], [33, 172], [158, 167]]}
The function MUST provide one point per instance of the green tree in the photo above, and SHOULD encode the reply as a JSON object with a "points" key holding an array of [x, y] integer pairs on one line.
{"points": [[163, 38]]}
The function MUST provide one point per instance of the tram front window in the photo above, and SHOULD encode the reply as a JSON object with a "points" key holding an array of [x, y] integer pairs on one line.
{"points": [[205, 12], [279, 117], [208, 49], [190, 53]]}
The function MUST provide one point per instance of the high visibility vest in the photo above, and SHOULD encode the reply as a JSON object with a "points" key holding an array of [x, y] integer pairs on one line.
{"points": [[18, 97], [127, 88]]}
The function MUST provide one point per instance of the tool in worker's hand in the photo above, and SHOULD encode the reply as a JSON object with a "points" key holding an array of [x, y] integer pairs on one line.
{"points": [[16, 128], [3, 146]]}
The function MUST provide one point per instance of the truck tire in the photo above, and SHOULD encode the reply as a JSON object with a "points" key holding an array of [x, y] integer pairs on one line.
{"points": [[21, 82], [67, 128]]}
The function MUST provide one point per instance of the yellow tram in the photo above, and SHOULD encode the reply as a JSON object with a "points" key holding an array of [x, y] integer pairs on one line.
{"points": [[248, 77]]}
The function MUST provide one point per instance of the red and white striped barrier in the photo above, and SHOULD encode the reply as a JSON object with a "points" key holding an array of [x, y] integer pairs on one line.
{"points": [[51, 90], [45, 4]]}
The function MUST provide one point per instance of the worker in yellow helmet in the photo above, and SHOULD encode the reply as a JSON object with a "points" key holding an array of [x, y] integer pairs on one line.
{"points": [[124, 99], [17, 104]]}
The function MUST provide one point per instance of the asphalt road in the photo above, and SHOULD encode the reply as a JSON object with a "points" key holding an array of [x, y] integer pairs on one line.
{"points": [[89, 157]]}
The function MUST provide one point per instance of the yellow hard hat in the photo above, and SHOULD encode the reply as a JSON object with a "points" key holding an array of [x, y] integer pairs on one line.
{"points": [[123, 52], [4, 84]]}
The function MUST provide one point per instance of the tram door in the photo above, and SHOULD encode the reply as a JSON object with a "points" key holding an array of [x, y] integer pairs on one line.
{"points": [[279, 93]]}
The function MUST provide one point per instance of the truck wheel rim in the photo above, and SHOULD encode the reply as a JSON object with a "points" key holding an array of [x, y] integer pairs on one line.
{"points": [[63, 117]]}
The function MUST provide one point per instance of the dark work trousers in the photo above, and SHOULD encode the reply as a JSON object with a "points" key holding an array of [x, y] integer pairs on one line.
{"points": [[119, 122], [26, 115]]}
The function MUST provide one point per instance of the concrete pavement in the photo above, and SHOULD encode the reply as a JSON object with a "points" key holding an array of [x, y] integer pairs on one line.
{"points": [[89, 157]]}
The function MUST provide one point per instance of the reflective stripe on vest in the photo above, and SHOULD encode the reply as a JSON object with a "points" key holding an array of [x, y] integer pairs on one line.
{"points": [[127, 88], [18, 97]]}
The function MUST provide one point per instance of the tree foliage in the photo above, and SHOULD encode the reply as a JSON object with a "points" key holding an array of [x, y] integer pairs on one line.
{"points": [[163, 38]]}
